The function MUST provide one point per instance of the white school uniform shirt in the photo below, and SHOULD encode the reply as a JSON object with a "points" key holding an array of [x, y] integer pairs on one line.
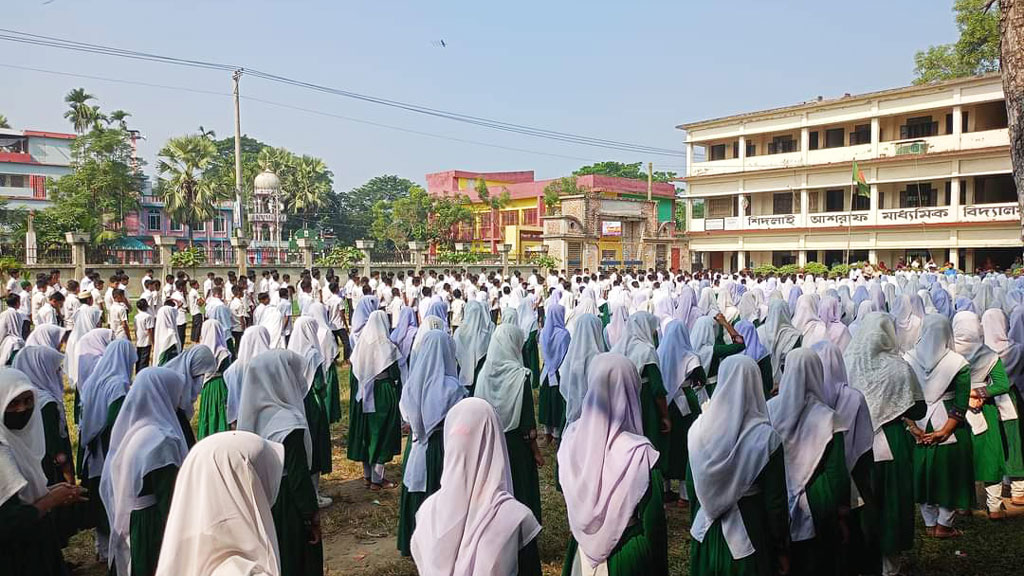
{"points": [[457, 308], [86, 284], [274, 289], [237, 308], [399, 284], [144, 322], [424, 306], [38, 299], [47, 315], [207, 287], [305, 299], [394, 310], [285, 308], [146, 279], [334, 312], [166, 290], [118, 314], [71, 305], [13, 286], [264, 284], [193, 302], [412, 295], [179, 298], [24, 304]]}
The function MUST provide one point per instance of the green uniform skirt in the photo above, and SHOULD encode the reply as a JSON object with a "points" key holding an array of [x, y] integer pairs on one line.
{"points": [[944, 474], [677, 455], [651, 388], [409, 502], [213, 407], [894, 489], [989, 460], [146, 526], [167, 356], [333, 394], [551, 407], [319, 428], [295, 506], [531, 358]]}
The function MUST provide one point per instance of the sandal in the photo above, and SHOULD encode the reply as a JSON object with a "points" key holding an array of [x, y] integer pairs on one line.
{"points": [[946, 532], [385, 485], [997, 515]]}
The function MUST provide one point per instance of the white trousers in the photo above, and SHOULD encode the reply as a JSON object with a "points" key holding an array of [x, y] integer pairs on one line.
{"points": [[890, 565], [1016, 487], [375, 472], [994, 496], [933, 514]]}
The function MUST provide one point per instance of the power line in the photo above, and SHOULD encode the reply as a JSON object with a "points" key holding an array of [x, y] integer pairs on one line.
{"points": [[54, 42]]}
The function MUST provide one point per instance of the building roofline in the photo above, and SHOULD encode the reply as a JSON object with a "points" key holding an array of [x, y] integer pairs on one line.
{"points": [[42, 134], [825, 103]]}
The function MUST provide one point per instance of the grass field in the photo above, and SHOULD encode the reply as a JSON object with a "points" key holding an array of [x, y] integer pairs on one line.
{"points": [[359, 531]]}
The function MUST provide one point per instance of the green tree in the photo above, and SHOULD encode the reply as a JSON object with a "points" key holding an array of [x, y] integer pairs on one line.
{"points": [[976, 51], [419, 216], [356, 205], [81, 114], [612, 168], [446, 213], [118, 117], [3, 122], [189, 195], [309, 187], [566, 186]]}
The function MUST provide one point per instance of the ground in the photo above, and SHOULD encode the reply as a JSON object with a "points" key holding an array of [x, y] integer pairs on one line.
{"points": [[359, 531]]}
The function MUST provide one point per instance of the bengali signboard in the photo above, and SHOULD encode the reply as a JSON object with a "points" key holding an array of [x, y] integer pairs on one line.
{"points": [[913, 215], [990, 212], [772, 222], [831, 219], [611, 228], [714, 224]]}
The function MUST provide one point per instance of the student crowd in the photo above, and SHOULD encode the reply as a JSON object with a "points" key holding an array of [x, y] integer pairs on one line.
{"points": [[803, 421]]}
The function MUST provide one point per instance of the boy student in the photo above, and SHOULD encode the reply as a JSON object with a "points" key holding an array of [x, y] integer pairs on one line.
{"points": [[195, 302], [168, 289], [24, 306], [394, 308], [262, 299], [14, 282], [208, 285], [145, 323], [178, 296], [216, 298], [118, 315], [284, 305], [458, 306], [39, 297], [306, 296], [239, 312], [71, 305], [49, 313]]}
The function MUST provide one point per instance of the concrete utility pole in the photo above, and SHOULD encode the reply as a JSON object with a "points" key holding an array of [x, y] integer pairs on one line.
{"points": [[239, 207], [650, 180]]}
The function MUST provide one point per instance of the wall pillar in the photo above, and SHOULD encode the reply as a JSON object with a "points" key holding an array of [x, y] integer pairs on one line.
{"points": [[31, 252], [306, 247], [873, 256], [78, 241], [954, 257], [801, 258], [241, 247], [741, 260], [163, 245], [969, 261], [416, 249]]}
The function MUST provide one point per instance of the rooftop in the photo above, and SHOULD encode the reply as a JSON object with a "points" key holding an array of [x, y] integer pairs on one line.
{"points": [[522, 184]]}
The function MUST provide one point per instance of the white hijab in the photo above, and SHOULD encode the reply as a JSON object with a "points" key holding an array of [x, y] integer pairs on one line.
{"points": [[373, 354], [969, 342], [638, 345], [220, 520], [472, 524], [604, 462], [306, 343], [586, 343], [806, 320], [86, 319], [107, 383], [48, 335], [212, 336], [42, 365], [146, 437], [778, 335], [272, 398], [429, 393], [702, 341], [616, 328], [503, 375], [471, 340], [936, 365], [328, 343], [21, 451], [677, 361], [194, 364], [255, 341], [852, 415], [908, 325], [806, 425], [10, 334], [273, 321], [730, 443], [165, 333]]}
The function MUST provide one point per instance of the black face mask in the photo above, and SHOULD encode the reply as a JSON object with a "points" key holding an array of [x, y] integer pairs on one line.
{"points": [[17, 420]]}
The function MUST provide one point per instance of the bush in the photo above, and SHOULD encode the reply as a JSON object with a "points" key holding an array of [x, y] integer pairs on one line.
{"points": [[787, 270], [815, 268], [840, 271], [545, 262], [340, 257], [765, 270], [9, 264], [458, 258], [188, 258]]}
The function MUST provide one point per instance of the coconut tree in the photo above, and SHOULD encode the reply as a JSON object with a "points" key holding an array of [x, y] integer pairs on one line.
{"points": [[309, 185], [3, 122], [190, 196], [119, 117], [81, 114]]}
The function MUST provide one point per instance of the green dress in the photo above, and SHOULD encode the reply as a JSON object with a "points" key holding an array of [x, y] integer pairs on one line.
{"points": [[767, 379], [551, 406], [677, 455], [990, 458], [864, 519], [894, 486], [29, 544], [146, 530], [944, 474], [719, 353], [643, 548], [605, 314], [827, 491], [167, 356], [409, 502], [57, 443], [213, 404], [523, 467], [531, 358], [92, 514], [376, 438], [333, 394], [765, 515], [319, 427], [293, 511], [651, 388]]}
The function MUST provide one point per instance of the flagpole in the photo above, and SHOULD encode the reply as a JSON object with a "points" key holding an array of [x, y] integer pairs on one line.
{"points": [[849, 215]]}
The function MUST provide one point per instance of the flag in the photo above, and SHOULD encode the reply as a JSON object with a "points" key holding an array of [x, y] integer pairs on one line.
{"points": [[858, 178]]}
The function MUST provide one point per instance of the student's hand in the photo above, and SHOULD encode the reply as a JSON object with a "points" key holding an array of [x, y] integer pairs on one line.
{"points": [[666, 425], [538, 458], [314, 529], [60, 494]]}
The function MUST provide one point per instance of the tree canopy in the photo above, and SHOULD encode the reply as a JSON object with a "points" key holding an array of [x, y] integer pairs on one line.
{"points": [[356, 207], [421, 217], [976, 51], [612, 168]]}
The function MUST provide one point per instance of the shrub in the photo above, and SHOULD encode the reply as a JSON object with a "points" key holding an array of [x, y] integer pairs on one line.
{"points": [[188, 257], [545, 261], [9, 264], [815, 268], [765, 270], [458, 258], [340, 257], [840, 271], [787, 270]]}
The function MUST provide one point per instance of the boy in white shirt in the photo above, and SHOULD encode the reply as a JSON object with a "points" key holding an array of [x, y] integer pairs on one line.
{"points": [[457, 307], [48, 312], [395, 306], [208, 285], [284, 305], [145, 323], [238, 313], [195, 302], [38, 299], [305, 296], [14, 283], [119, 316], [71, 305]]}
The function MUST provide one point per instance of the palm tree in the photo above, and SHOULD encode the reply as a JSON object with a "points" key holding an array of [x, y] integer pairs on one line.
{"points": [[309, 186], [3, 122], [189, 195], [119, 117], [208, 134], [81, 115]]}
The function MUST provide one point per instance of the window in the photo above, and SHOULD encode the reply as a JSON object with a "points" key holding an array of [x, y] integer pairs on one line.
{"points": [[834, 137], [835, 200], [963, 122], [509, 217], [812, 140], [485, 225], [176, 226], [718, 152], [917, 195], [783, 258], [813, 204], [200, 227], [919, 127], [782, 144], [153, 220], [782, 203], [736, 149], [575, 253], [751, 149], [698, 208], [994, 189], [861, 203], [219, 224], [861, 134], [13, 180], [720, 207], [530, 217]]}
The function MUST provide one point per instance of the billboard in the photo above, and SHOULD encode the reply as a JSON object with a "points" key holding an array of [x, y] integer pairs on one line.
{"points": [[611, 228]]}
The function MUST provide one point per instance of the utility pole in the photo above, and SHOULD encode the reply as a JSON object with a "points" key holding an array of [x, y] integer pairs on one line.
{"points": [[239, 207], [650, 180]]}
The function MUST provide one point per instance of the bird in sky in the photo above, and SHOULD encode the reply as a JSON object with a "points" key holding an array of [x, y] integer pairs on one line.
{"points": [[440, 43]]}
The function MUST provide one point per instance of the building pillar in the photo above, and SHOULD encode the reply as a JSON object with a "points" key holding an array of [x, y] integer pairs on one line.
{"points": [[741, 260], [954, 257], [31, 251], [873, 206], [163, 245], [689, 159], [241, 246], [805, 142], [306, 247], [969, 261], [78, 241], [416, 248], [876, 134], [957, 122], [873, 256], [801, 258], [954, 195]]}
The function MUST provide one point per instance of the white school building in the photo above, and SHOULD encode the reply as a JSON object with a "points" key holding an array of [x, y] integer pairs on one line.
{"points": [[774, 187]]}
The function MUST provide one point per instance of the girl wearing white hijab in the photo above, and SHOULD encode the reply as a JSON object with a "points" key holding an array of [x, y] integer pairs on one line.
{"points": [[830, 313], [254, 341], [607, 470], [992, 415], [42, 365], [471, 340], [526, 314], [29, 540], [194, 364], [640, 346], [146, 449], [165, 335], [779, 336], [10, 335], [220, 519], [213, 400], [573, 378], [473, 524], [49, 335], [1011, 353], [329, 348], [678, 363], [703, 337], [806, 320], [892, 392], [817, 481], [504, 383], [86, 319], [908, 325], [305, 342], [431, 390], [272, 407], [375, 425], [273, 321], [737, 480], [943, 471], [616, 328]]}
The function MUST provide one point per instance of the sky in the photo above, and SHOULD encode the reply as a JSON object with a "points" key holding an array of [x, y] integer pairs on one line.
{"points": [[629, 71]]}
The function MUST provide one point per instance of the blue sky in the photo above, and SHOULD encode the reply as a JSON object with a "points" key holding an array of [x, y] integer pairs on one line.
{"points": [[627, 70]]}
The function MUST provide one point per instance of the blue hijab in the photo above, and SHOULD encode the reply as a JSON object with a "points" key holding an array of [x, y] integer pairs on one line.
{"points": [[794, 294], [554, 342], [367, 305], [403, 335], [965, 303], [439, 308], [754, 349], [859, 295], [941, 300]]}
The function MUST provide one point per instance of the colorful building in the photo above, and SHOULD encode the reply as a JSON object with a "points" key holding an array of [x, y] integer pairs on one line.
{"points": [[520, 223], [27, 159]]}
